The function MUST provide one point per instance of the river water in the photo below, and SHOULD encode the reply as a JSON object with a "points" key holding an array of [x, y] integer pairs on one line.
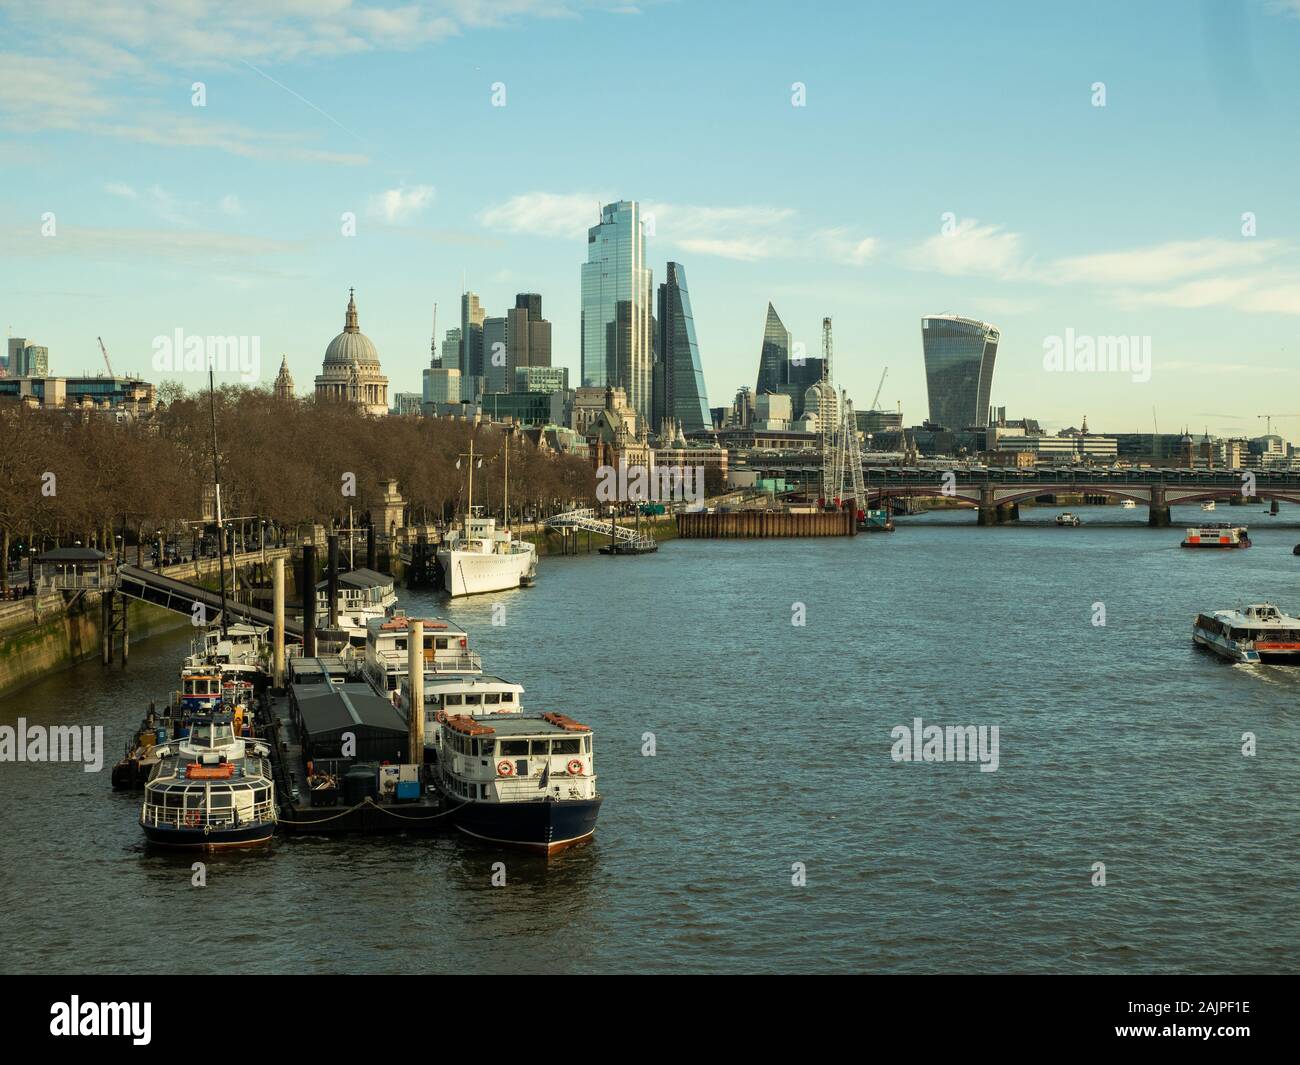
{"points": [[1118, 743]]}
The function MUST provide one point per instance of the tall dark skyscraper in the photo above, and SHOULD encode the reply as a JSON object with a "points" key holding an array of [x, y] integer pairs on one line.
{"points": [[959, 356], [774, 360], [679, 374]]}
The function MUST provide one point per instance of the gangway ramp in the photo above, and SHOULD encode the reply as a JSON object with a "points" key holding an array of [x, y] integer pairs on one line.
{"points": [[149, 586]]}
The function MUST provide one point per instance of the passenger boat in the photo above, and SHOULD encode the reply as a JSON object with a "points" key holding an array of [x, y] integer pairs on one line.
{"points": [[1127, 504], [363, 595], [1222, 534], [478, 557], [446, 650], [242, 652], [518, 779], [211, 789], [1260, 633], [1208, 505], [1066, 518]]}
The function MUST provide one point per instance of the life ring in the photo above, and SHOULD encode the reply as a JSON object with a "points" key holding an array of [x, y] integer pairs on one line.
{"points": [[192, 818], [575, 767], [505, 768], [440, 717]]}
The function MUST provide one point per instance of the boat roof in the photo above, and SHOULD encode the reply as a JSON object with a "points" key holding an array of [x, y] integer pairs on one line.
{"points": [[332, 706], [1258, 614], [507, 725], [467, 680], [400, 623], [362, 578]]}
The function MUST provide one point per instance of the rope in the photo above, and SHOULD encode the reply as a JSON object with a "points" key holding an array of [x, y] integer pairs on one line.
{"points": [[367, 801]]}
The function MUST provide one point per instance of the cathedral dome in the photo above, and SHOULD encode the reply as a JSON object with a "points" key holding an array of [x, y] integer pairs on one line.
{"points": [[351, 347]]}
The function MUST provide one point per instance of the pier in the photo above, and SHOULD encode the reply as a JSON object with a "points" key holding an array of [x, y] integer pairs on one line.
{"points": [[765, 524]]}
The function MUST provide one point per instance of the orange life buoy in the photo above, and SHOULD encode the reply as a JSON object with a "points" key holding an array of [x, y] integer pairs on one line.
{"points": [[192, 818], [575, 767], [505, 768]]}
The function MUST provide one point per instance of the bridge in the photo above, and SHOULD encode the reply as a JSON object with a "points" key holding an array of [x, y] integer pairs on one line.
{"points": [[157, 589], [585, 518], [996, 490]]}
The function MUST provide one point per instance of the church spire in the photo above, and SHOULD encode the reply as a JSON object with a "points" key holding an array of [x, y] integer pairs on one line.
{"points": [[350, 322]]}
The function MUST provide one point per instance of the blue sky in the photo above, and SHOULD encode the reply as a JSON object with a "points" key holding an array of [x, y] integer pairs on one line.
{"points": [[1061, 215]]}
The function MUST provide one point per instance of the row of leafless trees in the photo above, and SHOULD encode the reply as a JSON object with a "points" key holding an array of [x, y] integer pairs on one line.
{"points": [[73, 477]]}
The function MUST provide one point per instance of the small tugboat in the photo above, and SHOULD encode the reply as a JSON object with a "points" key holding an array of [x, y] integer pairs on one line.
{"points": [[1222, 534], [210, 790], [1127, 504], [521, 780], [1260, 633], [1208, 505], [1066, 518]]}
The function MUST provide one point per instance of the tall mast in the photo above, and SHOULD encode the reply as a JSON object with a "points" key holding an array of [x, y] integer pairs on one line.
{"points": [[505, 491], [216, 480]]}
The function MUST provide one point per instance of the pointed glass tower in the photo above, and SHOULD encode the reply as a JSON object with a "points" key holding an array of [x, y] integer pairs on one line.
{"points": [[682, 377]]}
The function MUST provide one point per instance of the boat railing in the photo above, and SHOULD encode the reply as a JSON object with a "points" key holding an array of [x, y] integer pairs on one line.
{"points": [[193, 817], [465, 662]]}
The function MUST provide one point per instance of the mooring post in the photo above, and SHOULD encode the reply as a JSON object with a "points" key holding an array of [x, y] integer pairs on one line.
{"points": [[309, 600], [415, 688], [277, 645], [332, 578]]}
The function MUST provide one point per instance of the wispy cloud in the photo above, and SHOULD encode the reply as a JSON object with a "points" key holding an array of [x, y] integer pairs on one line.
{"points": [[741, 233], [1162, 263], [402, 204], [968, 249]]}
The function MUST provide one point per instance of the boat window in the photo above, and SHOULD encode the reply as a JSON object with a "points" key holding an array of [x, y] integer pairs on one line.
{"points": [[428, 643], [189, 686], [507, 697], [473, 700], [453, 700], [586, 744], [492, 698], [441, 643], [573, 746], [539, 748], [400, 644], [220, 801], [482, 791], [514, 747]]}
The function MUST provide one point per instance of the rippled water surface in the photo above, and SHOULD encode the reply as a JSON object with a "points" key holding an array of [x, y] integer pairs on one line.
{"points": [[1118, 744]]}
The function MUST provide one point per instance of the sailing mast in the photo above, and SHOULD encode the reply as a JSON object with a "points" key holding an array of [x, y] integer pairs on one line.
{"points": [[216, 479]]}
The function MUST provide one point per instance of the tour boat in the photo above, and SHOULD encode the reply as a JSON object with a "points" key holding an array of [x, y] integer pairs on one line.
{"points": [[478, 557], [1066, 518], [446, 650], [1260, 633], [1127, 504], [1217, 535], [518, 779], [1208, 505], [211, 789], [469, 694], [363, 595]]}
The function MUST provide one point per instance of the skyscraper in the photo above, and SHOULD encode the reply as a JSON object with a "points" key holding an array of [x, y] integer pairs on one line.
{"points": [[680, 377], [617, 339], [774, 359], [471, 344], [959, 356]]}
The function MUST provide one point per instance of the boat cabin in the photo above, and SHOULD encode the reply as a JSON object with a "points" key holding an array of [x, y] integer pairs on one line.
{"points": [[446, 650], [210, 779]]}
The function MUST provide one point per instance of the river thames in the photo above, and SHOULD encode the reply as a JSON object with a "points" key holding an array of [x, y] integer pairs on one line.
{"points": [[771, 830]]}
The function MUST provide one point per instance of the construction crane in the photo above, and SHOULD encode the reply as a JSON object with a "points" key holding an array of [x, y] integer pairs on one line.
{"points": [[106, 362], [1268, 421], [878, 390]]}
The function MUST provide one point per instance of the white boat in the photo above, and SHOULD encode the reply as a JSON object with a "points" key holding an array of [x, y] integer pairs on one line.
{"points": [[1066, 518], [1208, 505], [363, 595], [478, 557], [242, 652], [446, 650], [1260, 633], [519, 779], [1127, 504], [1222, 535]]}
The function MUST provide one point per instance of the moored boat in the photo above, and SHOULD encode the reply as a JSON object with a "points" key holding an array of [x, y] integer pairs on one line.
{"points": [[522, 780], [1066, 518], [1259, 633], [210, 790]]}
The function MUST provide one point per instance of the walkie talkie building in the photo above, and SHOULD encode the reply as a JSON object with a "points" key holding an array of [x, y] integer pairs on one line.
{"points": [[959, 355]]}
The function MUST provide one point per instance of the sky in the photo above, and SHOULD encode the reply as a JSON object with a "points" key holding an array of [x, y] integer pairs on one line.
{"points": [[1063, 171]]}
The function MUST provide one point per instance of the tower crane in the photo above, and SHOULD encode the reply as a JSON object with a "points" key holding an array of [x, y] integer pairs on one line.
{"points": [[878, 389], [106, 362], [1268, 421]]}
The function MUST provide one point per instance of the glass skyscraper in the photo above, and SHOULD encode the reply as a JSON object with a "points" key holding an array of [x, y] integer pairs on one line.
{"points": [[774, 360], [617, 334], [959, 355], [680, 377]]}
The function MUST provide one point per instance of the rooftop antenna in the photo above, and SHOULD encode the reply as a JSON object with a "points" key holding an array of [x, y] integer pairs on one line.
{"points": [[433, 337]]}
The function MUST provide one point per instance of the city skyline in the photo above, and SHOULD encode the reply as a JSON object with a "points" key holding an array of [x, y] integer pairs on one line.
{"points": [[226, 219]]}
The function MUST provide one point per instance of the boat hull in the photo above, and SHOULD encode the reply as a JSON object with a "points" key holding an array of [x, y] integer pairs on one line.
{"points": [[473, 573], [194, 838], [545, 825]]}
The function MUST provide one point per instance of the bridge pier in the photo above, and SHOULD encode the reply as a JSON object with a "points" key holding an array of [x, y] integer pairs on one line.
{"points": [[1158, 511], [988, 514], [1008, 512]]}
